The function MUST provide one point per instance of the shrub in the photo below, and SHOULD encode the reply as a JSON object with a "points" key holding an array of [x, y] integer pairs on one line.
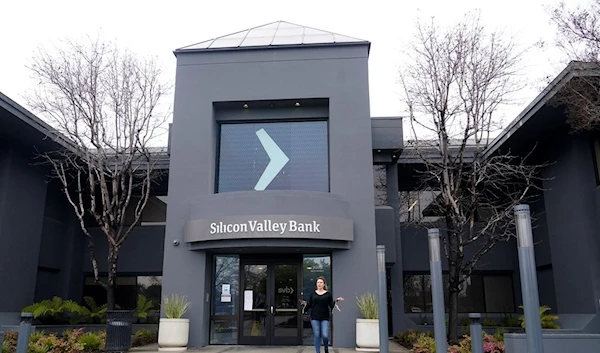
{"points": [[46, 343], [548, 320], [464, 346], [510, 321], [71, 341], [489, 322], [499, 334], [94, 313], [490, 345], [465, 321], [367, 305], [92, 342], [424, 344], [408, 338], [144, 337], [144, 307], [10, 342], [56, 310]]}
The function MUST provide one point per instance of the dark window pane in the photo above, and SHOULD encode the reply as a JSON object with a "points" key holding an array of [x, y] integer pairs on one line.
{"points": [[499, 295], [151, 288], [414, 297], [470, 298], [243, 159]]}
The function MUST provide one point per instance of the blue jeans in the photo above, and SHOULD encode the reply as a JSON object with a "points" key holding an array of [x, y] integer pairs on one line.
{"points": [[320, 330]]}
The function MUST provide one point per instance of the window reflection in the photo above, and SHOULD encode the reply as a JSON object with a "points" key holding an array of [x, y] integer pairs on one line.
{"points": [[225, 299], [479, 293], [127, 291]]}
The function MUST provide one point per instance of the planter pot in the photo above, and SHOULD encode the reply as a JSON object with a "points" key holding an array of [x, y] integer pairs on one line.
{"points": [[173, 335], [367, 335]]}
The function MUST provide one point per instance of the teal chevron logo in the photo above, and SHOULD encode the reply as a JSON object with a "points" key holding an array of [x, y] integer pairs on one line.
{"points": [[278, 160]]}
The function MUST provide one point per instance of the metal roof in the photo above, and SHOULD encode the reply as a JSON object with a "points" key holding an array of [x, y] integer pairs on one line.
{"points": [[275, 34]]}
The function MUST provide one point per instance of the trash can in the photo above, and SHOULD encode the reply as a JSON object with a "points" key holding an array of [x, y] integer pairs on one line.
{"points": [[118, 330]]}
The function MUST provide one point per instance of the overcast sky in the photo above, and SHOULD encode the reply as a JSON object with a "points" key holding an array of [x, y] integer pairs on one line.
{"points": [[159, 27]]}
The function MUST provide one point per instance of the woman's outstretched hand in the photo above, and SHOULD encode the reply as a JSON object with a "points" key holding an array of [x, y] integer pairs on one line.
{"points": [[340, 299]]}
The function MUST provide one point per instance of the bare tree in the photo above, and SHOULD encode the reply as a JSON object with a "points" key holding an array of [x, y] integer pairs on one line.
{"points": [[454, 82], [103, 103], [578, 36]]}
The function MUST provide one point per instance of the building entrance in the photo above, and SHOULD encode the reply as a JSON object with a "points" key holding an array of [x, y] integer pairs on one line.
{"points": [[270, 311]]}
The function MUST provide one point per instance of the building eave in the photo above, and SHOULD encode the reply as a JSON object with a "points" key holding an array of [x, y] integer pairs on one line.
{"points": [[573, 69], [36, 123], [271, 47]]}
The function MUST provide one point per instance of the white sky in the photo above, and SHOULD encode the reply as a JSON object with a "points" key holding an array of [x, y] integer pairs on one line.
{"points": [[159, 27]]}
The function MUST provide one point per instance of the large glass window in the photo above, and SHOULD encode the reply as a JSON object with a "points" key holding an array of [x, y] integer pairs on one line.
{"points": [[225, 299], [127, 291], [298, 153], [479, 293]]}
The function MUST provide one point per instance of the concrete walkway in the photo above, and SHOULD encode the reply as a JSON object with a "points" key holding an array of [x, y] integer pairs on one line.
{"points": [[394, 348]]}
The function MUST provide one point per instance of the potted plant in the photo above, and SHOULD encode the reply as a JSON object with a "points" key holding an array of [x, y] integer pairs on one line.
{"points": [[367, 327], [174, 330]]}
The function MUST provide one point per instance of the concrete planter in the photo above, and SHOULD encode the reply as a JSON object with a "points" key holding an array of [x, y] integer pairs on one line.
{"points": [[367, 335], [554, 342], [173, 335]]}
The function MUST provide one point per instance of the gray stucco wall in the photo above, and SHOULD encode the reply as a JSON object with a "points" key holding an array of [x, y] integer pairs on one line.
{"points": [[61, 249], [22, 205], [572, 216], [339, 74], [141, 253], [415, 253]]}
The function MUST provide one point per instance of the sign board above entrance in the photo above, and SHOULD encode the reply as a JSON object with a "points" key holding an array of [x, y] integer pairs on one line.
{"points": [[266, 225], [270, 226]]}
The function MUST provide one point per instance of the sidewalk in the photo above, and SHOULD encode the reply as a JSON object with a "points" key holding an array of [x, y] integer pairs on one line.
{"points": [[394, 348]]}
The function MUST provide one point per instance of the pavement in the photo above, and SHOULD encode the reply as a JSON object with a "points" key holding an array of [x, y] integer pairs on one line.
{"points": [[394, 348]]}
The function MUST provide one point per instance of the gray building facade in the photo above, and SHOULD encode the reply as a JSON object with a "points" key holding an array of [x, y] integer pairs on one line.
{"points": [[277, 174], [271, 128]]}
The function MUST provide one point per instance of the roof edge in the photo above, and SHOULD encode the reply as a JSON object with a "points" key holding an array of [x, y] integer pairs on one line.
{"points": [[573, 69], [271, 47], [32, 120]]}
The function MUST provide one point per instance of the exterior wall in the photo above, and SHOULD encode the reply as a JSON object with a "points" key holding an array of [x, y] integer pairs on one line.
{"points": [[141, 253], [543, 255], [572, 216], [22, 206], [337, 74], [61, 249]]}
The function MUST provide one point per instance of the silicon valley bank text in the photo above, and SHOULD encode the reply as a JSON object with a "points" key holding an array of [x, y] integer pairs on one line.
{"points": [[265, 226]]}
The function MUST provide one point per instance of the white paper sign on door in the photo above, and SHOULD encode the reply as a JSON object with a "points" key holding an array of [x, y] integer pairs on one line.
{"points": [[226, 293], [248, 300]]}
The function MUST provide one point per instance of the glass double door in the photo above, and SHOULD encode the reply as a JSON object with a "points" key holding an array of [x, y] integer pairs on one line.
{"points": [[270, 303]]}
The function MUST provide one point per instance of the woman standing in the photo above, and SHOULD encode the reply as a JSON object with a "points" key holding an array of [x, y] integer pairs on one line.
{"points": [[322, 303]]}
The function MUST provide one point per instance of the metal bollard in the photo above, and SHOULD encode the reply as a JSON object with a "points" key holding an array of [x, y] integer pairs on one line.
{"points": [[529, 285], [476, 333], [24, 332], [437, 290]]}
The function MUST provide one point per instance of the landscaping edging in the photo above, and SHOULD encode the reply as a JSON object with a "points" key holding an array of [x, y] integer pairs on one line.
{"points": [[554, 342]]}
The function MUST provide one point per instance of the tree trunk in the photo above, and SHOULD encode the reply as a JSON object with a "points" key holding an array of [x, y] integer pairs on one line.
{"points": [[113, 255], [455, 257], [453, 315]]}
